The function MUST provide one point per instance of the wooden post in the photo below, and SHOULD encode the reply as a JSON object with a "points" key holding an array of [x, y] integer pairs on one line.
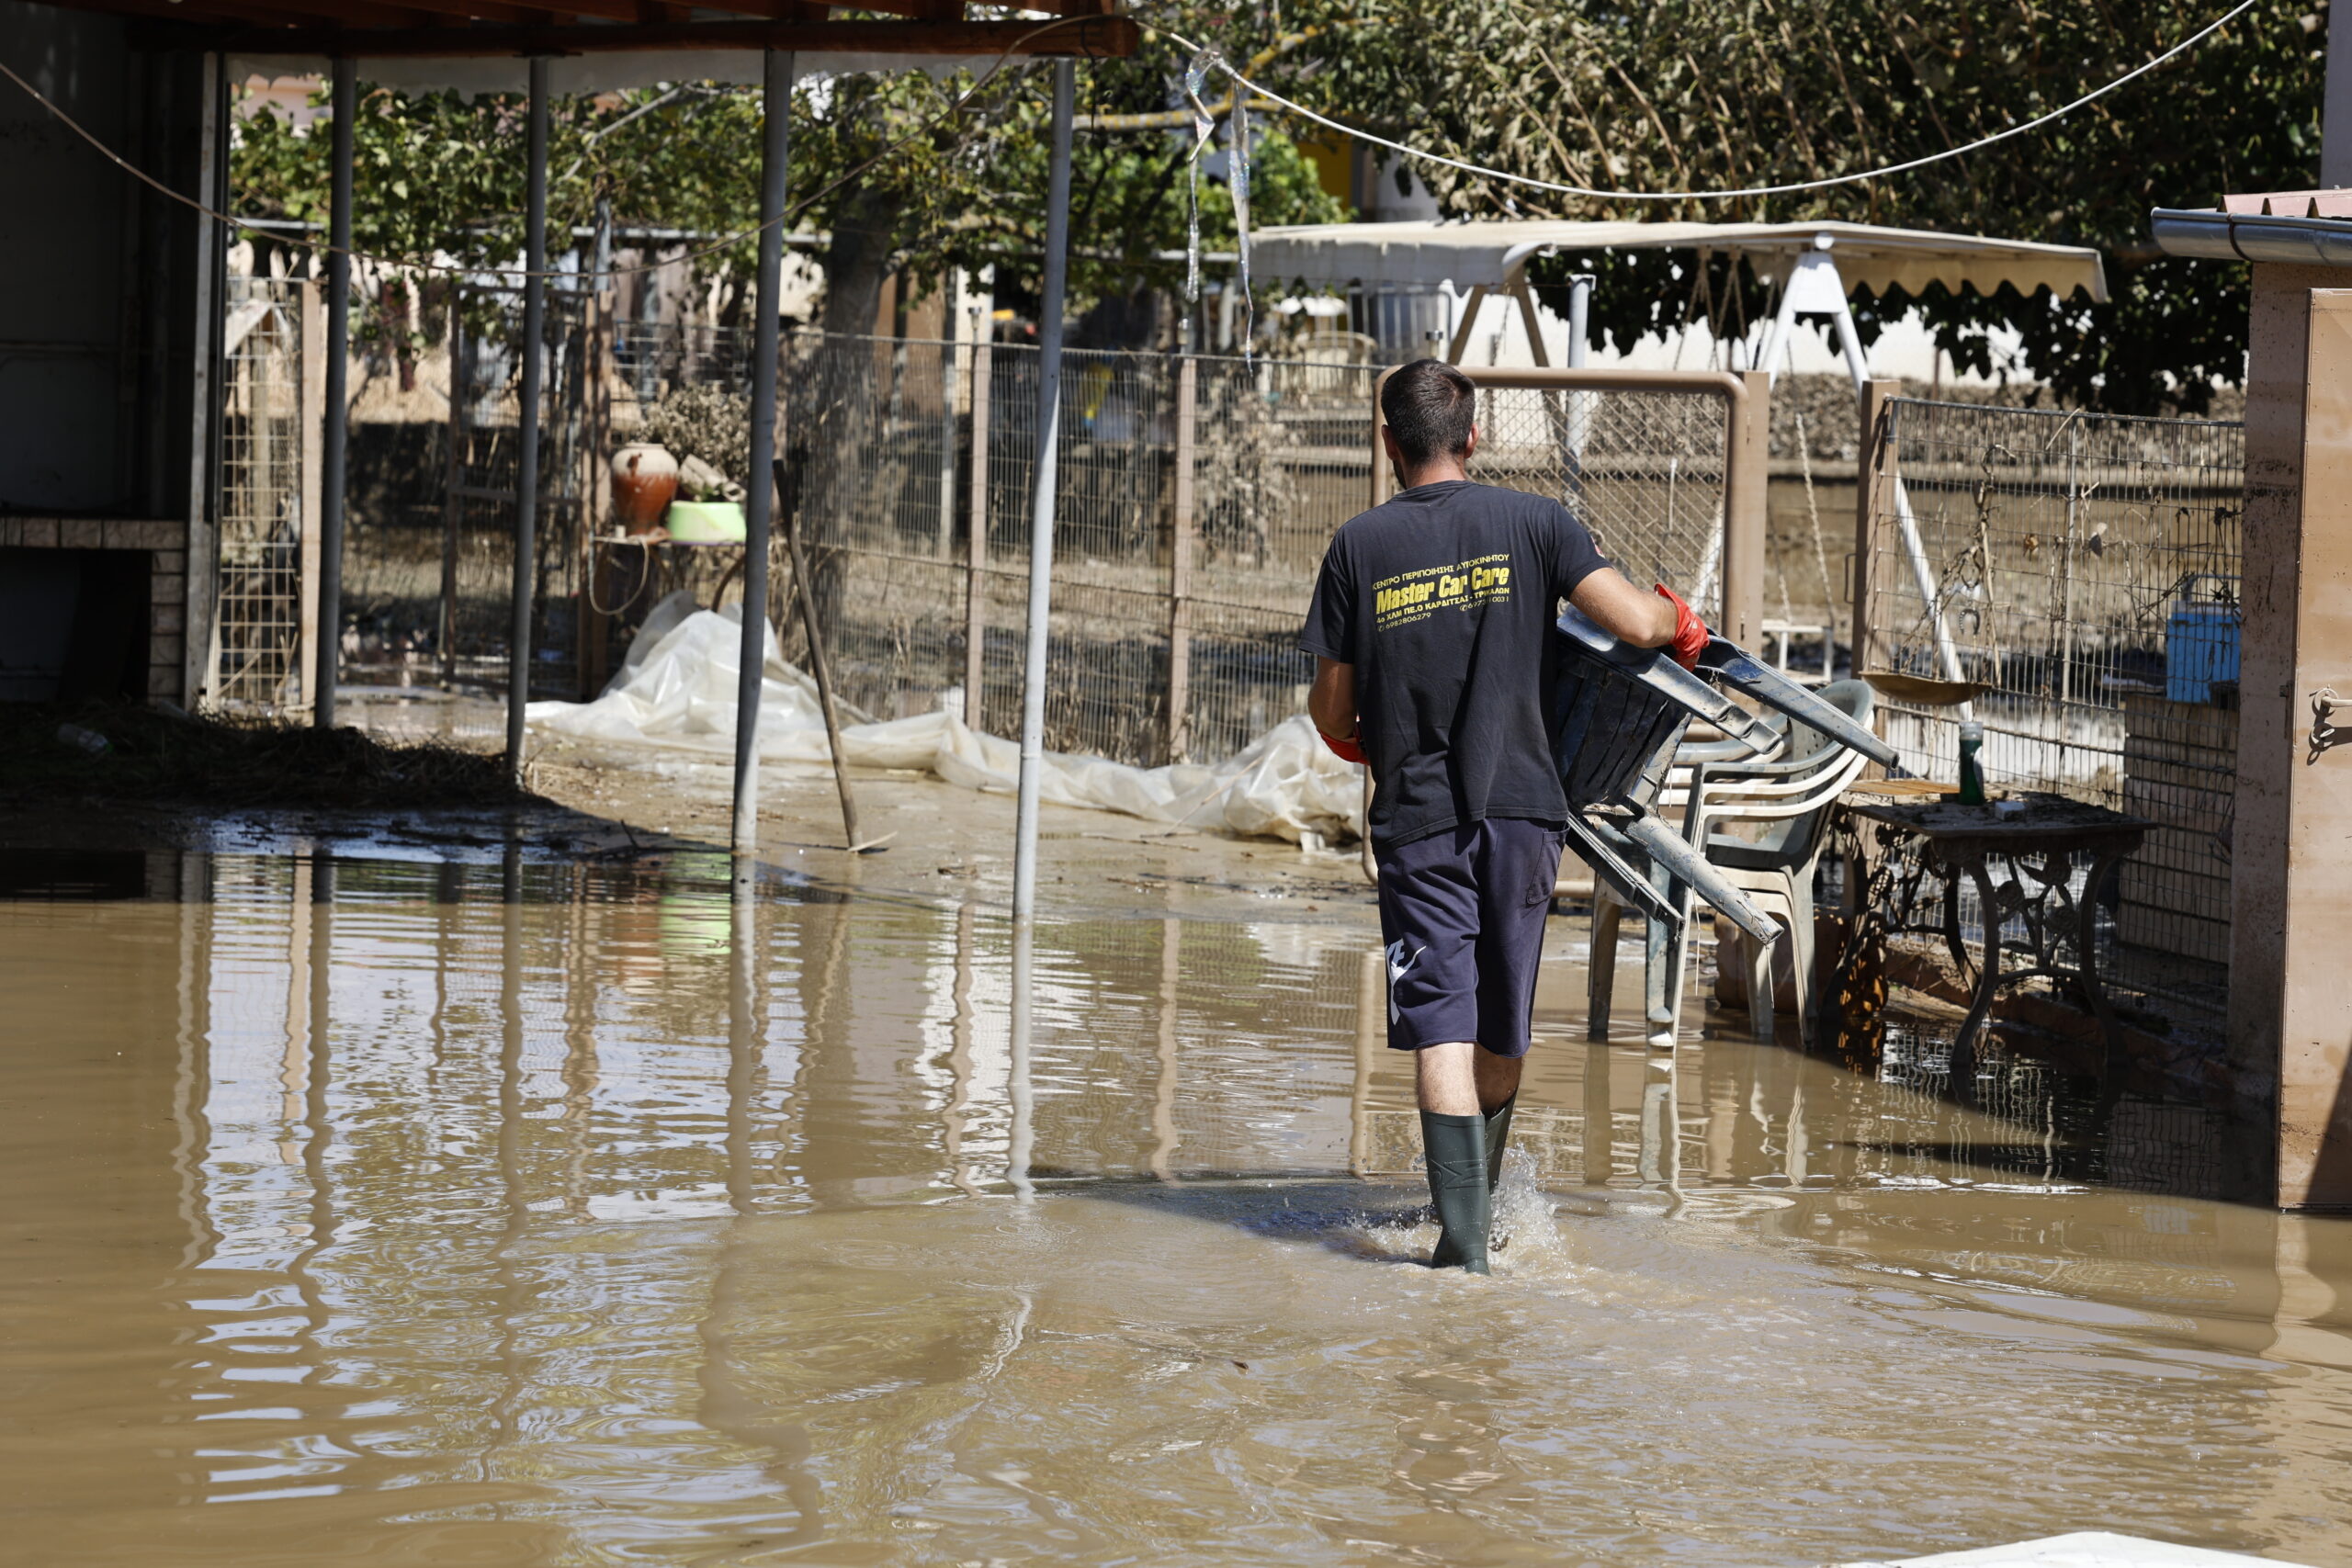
{"points": [[594, 487], [1180, 564], [976, 560], [1745, 512], [1873, 500], [1460, 344], [313, 422]]}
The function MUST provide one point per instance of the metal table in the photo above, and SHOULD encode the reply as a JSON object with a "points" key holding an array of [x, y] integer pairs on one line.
{"points": [[2039, 840]]}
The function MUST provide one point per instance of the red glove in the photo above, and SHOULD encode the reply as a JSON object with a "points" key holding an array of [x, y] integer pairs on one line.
{"points": [[1346, 749], [1691, 634]]}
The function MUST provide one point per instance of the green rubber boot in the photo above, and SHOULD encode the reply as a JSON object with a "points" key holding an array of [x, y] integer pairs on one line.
{"points": [[1456, 1147], [1497, 1136]]}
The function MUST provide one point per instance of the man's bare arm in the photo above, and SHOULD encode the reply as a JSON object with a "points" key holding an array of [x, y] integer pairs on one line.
{"points": [[1331, 703], [1629, 614]]}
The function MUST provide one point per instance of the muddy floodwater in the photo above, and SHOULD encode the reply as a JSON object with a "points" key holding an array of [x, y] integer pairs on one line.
{"points": [[396, 1210]]}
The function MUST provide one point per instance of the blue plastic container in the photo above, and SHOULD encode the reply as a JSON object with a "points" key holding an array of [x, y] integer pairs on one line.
{"points": [[2201, 640]]}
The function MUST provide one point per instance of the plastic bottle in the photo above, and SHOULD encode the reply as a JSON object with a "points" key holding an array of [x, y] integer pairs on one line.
{"points": [[1971, 775]]}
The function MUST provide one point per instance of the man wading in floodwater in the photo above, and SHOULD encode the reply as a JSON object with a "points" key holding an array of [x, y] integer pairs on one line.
{"points": [[1435, 655]]}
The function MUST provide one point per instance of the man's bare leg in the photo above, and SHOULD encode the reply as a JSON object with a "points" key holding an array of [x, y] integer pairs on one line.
{"points": [[1457, 1079]]}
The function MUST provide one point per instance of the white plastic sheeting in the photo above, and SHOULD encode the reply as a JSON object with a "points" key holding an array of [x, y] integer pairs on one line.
{"points": [[676, 693]]}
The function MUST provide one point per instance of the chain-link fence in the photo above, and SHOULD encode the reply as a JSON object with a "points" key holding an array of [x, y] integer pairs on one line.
{"points": [[1195, 499], [259, 663], [1646, 469], [474, 617], [2084, 570]]}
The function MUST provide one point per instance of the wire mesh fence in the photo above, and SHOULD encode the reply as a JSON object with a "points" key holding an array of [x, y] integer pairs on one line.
{"points": [[474, 620], [1195, 498], [259, 663], [922, 589], [1646, 471], [2084, 570]]}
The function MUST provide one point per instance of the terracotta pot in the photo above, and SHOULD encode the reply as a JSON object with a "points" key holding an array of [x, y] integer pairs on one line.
{"points": [[645, 480]]}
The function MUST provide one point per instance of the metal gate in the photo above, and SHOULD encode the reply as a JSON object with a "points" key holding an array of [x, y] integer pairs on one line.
{"points": [[267, 503], [485, 459]]}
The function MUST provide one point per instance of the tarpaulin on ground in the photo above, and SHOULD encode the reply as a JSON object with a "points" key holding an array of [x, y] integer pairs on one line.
{"points": [[676, 692]]}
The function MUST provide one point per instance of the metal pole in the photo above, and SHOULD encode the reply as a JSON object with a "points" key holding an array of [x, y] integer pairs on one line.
{"points": [[1041, 521], [1580, 317], [776, 146], [328, 642], [526, 445], [201, 635]]}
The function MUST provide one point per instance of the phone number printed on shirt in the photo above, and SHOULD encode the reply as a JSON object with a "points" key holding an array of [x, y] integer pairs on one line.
{"points": [[1412, 596]]}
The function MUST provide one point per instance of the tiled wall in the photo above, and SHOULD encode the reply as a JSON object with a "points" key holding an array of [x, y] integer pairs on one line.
{"points": [[166, 542]]}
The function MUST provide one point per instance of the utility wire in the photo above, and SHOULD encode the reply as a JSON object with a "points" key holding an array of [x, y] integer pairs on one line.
{"points": [[1216, 62], [1480, 169]]}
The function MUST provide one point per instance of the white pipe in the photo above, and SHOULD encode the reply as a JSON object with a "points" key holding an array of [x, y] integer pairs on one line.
{"points": [[1042, 509]]}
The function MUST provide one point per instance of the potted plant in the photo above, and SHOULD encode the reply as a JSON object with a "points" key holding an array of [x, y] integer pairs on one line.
{"points": [[709, 429]]}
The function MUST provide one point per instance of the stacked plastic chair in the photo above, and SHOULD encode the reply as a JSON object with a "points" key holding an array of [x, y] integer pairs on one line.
{"points": [[1624, 713]]}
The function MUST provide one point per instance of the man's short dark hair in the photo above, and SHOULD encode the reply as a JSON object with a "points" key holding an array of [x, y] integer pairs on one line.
{"points": [[1431, 406]]}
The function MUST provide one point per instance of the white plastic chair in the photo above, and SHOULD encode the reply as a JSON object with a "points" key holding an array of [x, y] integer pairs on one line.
{"points": [[1792, 791]]}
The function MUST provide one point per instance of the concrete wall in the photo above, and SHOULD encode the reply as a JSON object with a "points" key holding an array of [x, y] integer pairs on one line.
{"points": [[98, 290], [2290, 1034]]}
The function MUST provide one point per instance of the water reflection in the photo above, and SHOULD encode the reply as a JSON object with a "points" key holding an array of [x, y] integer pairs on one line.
{"points": [[543, 1212]]}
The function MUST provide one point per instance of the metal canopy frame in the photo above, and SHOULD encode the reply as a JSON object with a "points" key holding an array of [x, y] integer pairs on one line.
{"points": [[342, 31], [475, 28]]}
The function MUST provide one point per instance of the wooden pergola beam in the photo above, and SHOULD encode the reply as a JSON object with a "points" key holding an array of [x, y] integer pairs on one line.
{"points": [[1095, 36]]}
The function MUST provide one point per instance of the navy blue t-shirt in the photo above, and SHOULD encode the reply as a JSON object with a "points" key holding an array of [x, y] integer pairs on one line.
{"points": [[1443, 598]]}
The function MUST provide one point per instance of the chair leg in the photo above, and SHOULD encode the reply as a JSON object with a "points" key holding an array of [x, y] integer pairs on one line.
{"points": [[1600, 972], [1803, 941], [1758, 956]]}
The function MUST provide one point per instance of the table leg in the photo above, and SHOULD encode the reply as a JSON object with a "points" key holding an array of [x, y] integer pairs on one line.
{"points": [[1988, 980], [2087, 943], [1953, 943]]}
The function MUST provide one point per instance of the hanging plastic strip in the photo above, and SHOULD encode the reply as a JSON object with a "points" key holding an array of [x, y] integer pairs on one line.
{"points": [[1238, 179], [1203, 128]]}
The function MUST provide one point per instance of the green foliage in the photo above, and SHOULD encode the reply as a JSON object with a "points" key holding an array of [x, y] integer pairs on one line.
{"points": [[1675, 95], [706, 421], [1670, 95], [891, 162]]}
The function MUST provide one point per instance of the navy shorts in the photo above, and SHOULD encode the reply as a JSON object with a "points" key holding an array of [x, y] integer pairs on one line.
{"points": [[1462, 913]]}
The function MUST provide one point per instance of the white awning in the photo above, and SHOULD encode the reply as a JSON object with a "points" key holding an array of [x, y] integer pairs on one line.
{"points": [[1475, 254]]}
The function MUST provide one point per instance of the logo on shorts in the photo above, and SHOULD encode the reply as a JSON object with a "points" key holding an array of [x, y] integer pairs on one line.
{"points": [[1398, 968]]}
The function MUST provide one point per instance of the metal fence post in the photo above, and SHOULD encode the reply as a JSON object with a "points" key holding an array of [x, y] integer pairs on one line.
{"points": [[337, 412], [1745, 512], [1179, 563], [314, 422], [1043, 514], [526, 439], [946, 548], [976, 560], [775, 156], [453, 505], [1873, 499], [201, 631]]}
